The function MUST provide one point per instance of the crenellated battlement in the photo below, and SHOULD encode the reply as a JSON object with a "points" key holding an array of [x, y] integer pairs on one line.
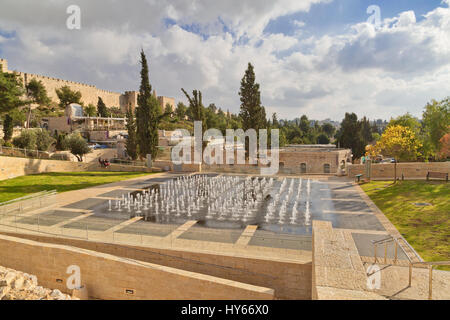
{"points": [[89, 92], [4, 65]]}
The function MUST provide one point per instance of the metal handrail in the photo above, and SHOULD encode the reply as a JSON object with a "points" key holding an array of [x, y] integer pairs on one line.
{"points": [[430, 273], [411, 263], [385, 241], [30, 196]]}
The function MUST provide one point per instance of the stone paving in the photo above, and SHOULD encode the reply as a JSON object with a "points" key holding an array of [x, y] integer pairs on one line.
{"points": [[340, 202]]}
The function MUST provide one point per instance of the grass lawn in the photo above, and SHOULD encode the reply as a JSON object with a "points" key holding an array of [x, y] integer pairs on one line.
{"points": [[427, 228], [59, 181]]}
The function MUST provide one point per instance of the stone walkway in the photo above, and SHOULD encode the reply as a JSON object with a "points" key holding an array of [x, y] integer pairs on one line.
{"points": [[342, 203]]}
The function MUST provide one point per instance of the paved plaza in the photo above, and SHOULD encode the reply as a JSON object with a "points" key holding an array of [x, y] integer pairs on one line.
{"points": [[82, 214]]}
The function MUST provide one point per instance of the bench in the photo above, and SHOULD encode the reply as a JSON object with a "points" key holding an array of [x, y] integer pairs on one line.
{"points": [[437, 175], [358, 177]]}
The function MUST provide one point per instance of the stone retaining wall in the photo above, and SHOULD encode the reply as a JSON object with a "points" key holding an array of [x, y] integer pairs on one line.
{"points": [[412, 170], [110, 277], [11, 167], [290, 280]]}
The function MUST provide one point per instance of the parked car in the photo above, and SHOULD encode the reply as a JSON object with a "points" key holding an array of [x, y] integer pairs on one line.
{"points": [[388, 160], [96, 146]]}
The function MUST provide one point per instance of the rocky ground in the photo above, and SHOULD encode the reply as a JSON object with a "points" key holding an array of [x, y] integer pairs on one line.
{"points": [[16, 285]]}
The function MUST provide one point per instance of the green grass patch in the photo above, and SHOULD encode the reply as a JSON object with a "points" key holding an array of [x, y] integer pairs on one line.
{"points": [[59, 181], [426, 228]]}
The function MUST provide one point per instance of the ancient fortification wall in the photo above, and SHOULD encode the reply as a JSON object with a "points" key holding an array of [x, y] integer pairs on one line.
{"points": [[4, 65], [89, 92]]}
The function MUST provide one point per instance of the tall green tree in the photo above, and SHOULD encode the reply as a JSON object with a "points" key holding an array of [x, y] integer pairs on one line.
{"points": [[131, 144], [180, 111], [196, 108], [90, 111], [252, 113], [8, 128], [408, 121], [328, 129], [275, 123], [67, 96], [349, 136], [37, 94], [436, 124], [148, 115], [11, 92], [101, 108], [305, 125]]}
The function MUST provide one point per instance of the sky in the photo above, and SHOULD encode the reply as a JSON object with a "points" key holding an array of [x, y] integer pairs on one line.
{"points": [[321, 58]]}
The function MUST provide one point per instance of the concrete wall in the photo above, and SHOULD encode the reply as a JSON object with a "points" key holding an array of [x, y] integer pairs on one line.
{"points": [[290, 280], [413, 170], [107, 277]]}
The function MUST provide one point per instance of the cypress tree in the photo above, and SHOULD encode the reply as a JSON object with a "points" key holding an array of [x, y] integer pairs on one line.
{"points": [[101, 108], [8, 128], [148, 115], [252, 113], [131, 144]]}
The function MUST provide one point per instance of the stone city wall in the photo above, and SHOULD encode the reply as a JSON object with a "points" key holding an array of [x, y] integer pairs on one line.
{"points": [[110, 277], [411, 170], [89, 93]]}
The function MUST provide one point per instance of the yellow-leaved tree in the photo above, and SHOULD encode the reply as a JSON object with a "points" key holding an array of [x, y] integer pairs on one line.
{"points": [[400, 143]]}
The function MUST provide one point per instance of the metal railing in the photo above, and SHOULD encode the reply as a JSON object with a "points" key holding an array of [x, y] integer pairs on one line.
{"points": [[430, 265], [30, 153], [430, 273], [134, 163], [27, 203]]}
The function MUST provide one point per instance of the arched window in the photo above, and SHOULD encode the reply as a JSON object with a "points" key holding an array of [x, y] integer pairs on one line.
{"points": [[326, 168], [303, 168]]}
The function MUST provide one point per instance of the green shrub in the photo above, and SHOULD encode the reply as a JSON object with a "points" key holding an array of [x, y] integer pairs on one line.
{"points": [[61, 143], [26, 140], [78, 146], [43, 140]]}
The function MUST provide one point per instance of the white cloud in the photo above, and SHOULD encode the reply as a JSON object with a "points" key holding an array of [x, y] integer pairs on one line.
{"points": [[378, 73]]}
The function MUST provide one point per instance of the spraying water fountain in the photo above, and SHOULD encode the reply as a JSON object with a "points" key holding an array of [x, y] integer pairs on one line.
{"points": [[221, 201]]}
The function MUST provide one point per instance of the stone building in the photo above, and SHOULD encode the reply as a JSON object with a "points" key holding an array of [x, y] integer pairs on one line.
{"points": [[130, 101], [313, 159], [89, 92]]}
